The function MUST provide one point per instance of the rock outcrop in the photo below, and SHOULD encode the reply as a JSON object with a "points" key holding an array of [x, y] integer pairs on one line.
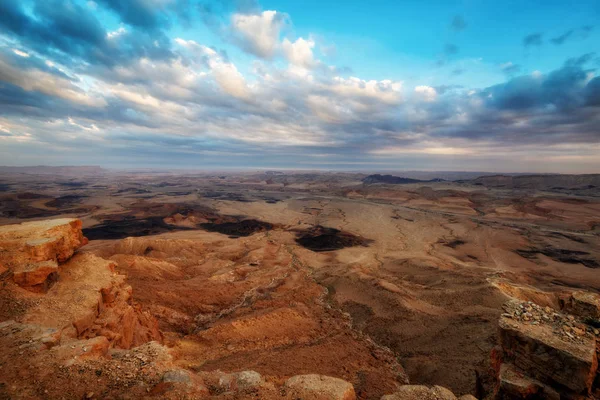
{"points": [[69, 326], [33, 250], [90, 299], [544, 353]]}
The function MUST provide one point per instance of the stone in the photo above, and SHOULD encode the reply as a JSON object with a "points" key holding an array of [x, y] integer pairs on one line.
{"points": [[247, 380], [34, 274], [583, 304], [33, 250], [420, 392], [514, 385], [178, 375], [538, 352], [467, 397], [319, 387]]}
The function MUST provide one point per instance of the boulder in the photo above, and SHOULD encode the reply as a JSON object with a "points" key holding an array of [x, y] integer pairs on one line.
{"points": [[419, 392], [177, 376], [319, 387], [583, 304]]}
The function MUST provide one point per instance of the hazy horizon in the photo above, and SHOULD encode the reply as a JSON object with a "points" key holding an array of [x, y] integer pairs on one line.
{"points": [[276, 84]]}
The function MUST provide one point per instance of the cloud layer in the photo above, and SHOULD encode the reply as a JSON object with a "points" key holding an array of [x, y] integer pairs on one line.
{"points": [[74, 90]]}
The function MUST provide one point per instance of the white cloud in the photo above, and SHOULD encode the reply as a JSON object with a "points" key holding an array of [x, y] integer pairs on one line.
{"points": [[116, 33], [426, 93], [226, 74], [40, 81], [230, 79], [386, 91], [259, 33], [300, 52], [440, 150], [20, 53]]}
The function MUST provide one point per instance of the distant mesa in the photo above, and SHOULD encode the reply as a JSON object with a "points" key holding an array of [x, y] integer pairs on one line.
{"points": [[394, 180], [51, 170], [552, 182]]}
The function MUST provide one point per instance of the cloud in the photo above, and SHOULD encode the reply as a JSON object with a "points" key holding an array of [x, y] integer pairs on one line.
{"points": [[259, 33], [586, 30], [450, 49], [426, 93], [533, 39], [562, 38], [131, 92], [458, 23], [72, 32], [509, 68], [300, 52]]}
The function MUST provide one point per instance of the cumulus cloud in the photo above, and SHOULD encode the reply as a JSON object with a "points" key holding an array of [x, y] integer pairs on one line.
{"points": [[299, 52], [259, 33], [426, 93]]}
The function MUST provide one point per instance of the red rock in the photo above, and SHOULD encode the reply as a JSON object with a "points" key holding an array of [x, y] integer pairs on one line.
{"points": [[33, 249], [319, 387], [34, 274]]}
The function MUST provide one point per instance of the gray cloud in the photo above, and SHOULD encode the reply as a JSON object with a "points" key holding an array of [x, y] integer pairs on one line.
{"points": [[450, 49], [562, 38], [510, 68], [533, 39], [458, 23], [74, 33]]}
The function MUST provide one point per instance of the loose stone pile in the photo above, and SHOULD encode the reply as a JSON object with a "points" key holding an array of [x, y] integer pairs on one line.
{"points": [[566, 327]]}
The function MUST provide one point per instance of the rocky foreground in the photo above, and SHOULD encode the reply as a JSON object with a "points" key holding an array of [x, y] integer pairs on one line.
{"points": [[70, 328]]}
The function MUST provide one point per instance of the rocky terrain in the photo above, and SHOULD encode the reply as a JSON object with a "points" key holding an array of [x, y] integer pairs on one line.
{"points": [[294, 285]]}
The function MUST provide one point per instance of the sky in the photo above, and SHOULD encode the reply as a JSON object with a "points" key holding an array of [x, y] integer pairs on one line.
{"points": [[469, 85]]}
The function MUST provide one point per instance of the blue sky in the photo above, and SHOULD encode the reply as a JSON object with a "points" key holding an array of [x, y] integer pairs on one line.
{"points": [[449, 85]]}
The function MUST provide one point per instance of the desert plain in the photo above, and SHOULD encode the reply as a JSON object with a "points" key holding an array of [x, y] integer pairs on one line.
{"points": [[373, 280]]}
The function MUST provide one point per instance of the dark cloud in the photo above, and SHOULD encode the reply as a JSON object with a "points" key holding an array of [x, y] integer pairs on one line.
{"points": [[69, 32], [458, 71], [563, 89], [592, 92], [534, 39], [450, 49], [562, 38], [138, 13], [458, 23], [581, 60]]}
